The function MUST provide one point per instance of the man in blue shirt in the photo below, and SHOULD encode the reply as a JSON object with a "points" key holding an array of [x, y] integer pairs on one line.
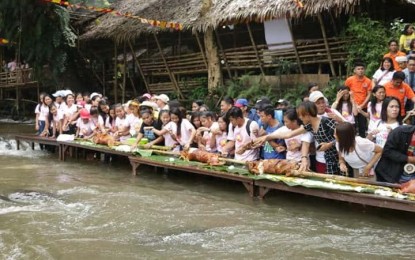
{"points": [[274, 149]]}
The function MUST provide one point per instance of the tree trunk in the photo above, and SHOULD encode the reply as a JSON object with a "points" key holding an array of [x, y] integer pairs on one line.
{"points": [[212, 55]]}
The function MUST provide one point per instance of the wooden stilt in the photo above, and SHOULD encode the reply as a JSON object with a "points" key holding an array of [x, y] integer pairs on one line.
{"points": [[124, 73], [171, 75], [140, 69], [223, 54], [202, 51], [255, 49], [297, 56], [326, 43], [115, 90]]}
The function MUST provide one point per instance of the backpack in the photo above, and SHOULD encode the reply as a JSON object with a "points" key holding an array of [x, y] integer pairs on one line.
{"points": [[248, 128]]}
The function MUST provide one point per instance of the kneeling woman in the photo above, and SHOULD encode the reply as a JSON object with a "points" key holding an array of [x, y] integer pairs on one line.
{"points": [[360, 153]]}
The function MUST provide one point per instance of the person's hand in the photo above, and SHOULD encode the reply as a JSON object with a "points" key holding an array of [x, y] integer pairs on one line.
{"points": [[324, 147], [259, 141], [343, 167], [240, 150], [366, 171], [340, 95], [305, 164], [148, 145]]}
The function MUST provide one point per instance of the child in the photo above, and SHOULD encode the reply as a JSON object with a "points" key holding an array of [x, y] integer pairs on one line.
{"points": [[185, 130], [374, 107], [40, 119], [122, 127], [97, 121], [84, 125], [219, 136], [44, 116], [146, 130], [209, 124], [71, 114], [110, 121], [345, 104], [168, 130], [55, 119]]}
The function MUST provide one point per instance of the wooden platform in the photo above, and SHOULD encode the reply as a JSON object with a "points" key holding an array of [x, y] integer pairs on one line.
{"points": [[248, 182], [255, 185], [33, 139], [264, 186]]}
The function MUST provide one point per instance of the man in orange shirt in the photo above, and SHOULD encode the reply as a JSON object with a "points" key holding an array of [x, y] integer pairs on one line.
{"points": [[393, 53], [397, 88], [361, 86]]}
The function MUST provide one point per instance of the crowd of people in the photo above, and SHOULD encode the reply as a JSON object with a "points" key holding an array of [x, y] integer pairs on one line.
{"points": [[366, 132]]}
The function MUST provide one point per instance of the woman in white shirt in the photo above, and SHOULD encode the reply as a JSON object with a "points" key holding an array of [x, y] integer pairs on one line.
{"points": [[360, 153], [390, 119], [384, 74]]}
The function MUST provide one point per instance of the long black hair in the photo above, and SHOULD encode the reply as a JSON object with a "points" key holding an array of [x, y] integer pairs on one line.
{"points": [[373, 99]]}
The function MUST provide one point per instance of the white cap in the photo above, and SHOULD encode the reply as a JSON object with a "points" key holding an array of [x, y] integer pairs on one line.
{"points": [[315, 95], [163, 97], [59, 93], [401, 59], [95, 94], [66, 92], [149, 104]]}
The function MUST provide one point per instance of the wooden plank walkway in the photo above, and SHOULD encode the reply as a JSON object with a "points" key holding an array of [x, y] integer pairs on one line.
{"points": [[255, 187]]}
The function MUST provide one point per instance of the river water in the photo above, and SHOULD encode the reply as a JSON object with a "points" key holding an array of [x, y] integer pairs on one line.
{"points": [[92, 210]]}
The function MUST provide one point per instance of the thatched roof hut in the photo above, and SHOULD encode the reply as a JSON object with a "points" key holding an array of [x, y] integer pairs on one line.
{"points": [[198, 15], [119, 28]]}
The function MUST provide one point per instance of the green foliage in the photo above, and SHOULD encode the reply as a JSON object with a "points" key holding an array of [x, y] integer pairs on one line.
{"points": [[247, 86], [396, 28], [330, 92], [369, 42], [39, 31], [285, 67], [295, 94]]}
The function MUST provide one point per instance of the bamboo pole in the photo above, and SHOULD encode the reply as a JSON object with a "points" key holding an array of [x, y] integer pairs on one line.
{"points": [[323, 31], [171, 75], [140, 69], [201, 49], [124, 73], [251, 36], [342, 179], [224, 54], [115, 90], [297, 56]]}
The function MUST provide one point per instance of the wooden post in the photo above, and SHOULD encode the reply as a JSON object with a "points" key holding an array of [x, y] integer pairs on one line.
{"points": [[139, 67], [103, 78], [17, 99], [251, 36], [215, 76], [326, 43], [124, 73], [297, 56], [172, 77], [223, 53], [115, 74], [201, 49]]}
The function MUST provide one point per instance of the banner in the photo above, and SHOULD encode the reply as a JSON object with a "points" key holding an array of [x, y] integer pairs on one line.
{"points": [[156, 23]]}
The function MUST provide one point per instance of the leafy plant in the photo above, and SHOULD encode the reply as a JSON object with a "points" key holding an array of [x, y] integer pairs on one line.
{"points": [[295, 95], [40, 32], [369, 42]]}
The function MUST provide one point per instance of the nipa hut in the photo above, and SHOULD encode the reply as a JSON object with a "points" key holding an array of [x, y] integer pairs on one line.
{"points": [[221, 39]]}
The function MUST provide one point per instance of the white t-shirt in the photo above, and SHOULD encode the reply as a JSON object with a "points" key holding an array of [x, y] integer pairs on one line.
{"points": [[108, 124], [208, 135], [345, 113], [85, 129], [241, 137], [97, 122], [384, 130], [58, 117], [171, 127], [69, 111], [221, 141], [364, 147], [43, 112], [135, 123], [374, 118], [185, 131], [384, 75], [320, 154], [122, 123]]}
